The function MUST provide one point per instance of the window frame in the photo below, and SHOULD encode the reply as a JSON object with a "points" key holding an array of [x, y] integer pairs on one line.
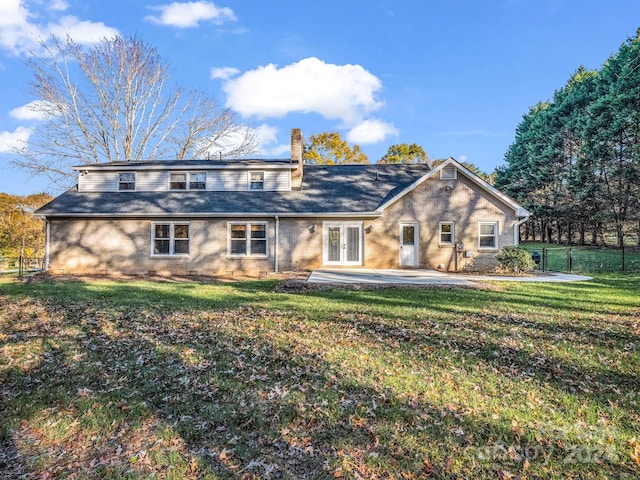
{"points": [[496, 233], [187, 181], [445, 177], [120, 182], [251, 182], [248, 239], [172, 239], [190, 182], [452, 233]]}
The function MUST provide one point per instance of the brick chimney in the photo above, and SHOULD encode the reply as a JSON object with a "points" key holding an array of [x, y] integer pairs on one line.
{"points": [[296, 157]]}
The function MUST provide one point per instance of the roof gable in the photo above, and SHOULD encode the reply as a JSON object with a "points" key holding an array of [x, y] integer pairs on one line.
{"points": [[520, 211]]}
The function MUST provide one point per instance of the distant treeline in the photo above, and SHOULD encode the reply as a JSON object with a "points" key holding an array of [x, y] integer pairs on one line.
{"points": [[575, 161]]}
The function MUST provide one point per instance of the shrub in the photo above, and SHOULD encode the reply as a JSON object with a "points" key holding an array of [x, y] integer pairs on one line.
{"points": [[515, 259]]}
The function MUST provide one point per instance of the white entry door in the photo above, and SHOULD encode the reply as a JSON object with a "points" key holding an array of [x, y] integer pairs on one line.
{"points": [[343, 243], [409, 242]]}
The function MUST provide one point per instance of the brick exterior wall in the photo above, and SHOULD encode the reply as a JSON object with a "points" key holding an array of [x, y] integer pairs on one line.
{"points": [[459, 201], [109, 246], [96, 246]]}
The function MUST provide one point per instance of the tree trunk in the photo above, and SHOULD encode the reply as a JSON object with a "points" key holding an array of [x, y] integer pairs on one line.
{"points": [[620, 234]]}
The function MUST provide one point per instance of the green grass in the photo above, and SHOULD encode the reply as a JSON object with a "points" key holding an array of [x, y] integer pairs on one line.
{"points": [[587, 259], [108, 379]]}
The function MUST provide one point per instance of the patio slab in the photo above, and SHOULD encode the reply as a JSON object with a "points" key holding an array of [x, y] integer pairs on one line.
{"points": [[426, 277]]}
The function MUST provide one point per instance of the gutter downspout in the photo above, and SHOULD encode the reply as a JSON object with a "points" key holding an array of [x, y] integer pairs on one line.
{"points": [[46, 244], [275, 254], [516, 230]]}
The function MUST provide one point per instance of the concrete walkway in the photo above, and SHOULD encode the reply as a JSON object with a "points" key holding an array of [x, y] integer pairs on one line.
{"points": [[425, 277]]}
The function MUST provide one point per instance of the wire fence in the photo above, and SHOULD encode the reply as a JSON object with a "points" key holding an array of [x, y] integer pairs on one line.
{"points": [[585, 259], [21, 265]]}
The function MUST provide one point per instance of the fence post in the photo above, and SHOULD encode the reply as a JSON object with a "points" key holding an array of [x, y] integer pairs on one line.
{"points": [[623, 257], [544, 259], [570, 259]]}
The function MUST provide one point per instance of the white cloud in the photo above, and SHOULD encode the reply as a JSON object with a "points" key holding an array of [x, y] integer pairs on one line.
{"points": [[462, 158], [337, 92], [81, 31], [20, 35], [371, 131], [58, 5], [15, 139], [189, 14], [267, 137], [224, 73], [16, 33], [31, 111], [266, 134]]}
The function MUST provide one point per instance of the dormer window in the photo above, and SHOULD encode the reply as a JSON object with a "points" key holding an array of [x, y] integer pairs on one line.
{"points": [[256, 180], [126, 181], [178, 181], [448, 173], [188, 181], [197, 181]]}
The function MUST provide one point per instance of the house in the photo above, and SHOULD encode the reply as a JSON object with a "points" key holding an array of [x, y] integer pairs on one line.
{"points": [[261, 216]]}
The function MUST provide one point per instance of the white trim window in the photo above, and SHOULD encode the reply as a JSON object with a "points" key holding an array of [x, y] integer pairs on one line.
{"points": [[126, 181], [247, 239], [197, 180], [256, 180], [488, 235], [178, 181], [169, 239], [450, 172], [187, 181], [447, 233]]}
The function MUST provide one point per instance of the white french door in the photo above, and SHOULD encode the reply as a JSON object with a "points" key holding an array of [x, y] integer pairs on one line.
{"points": [[343, 243]]}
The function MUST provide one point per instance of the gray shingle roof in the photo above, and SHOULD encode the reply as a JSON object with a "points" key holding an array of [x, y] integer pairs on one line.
{"points": [[342, 189]]}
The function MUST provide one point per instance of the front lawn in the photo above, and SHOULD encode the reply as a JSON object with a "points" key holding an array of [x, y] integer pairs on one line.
{"points": [[139, 379]]}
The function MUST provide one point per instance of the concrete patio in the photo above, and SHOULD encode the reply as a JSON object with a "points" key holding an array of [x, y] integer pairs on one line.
{"points": [[427, 277]]}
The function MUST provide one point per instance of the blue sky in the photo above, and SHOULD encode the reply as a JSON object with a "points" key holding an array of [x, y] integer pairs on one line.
{"points": [[454, 77]]}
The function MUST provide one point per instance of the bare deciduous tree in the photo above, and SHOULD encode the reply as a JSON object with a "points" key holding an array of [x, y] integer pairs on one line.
{"points": [[113, 102]]}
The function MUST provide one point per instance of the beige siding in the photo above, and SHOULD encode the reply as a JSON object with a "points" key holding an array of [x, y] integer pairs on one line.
{"points": [[98, 182], [238, 180], [152, 181], [158, 180], [277, 180], [227, 180]]}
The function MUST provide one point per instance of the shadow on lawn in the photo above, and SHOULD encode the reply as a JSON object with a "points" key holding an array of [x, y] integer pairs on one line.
{"points": [[217, 379], [235, 391]]}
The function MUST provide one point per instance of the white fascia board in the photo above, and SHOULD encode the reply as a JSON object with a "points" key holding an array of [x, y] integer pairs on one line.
{"points": [[219, 215], [187, 167]]}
